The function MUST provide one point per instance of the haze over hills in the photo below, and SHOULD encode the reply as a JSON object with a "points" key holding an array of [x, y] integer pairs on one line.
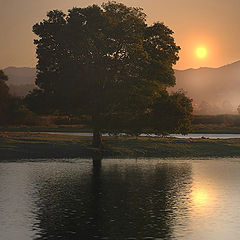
{"points": [[20, 76], [20, 80], [213, 90]]}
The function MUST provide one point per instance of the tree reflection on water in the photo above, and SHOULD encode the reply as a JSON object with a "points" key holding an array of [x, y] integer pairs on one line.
{"points": [[117, 199]]}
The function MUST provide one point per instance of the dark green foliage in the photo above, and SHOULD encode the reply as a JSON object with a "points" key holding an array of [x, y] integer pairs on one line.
{"points": [[19, 114], [225, 123], [171, 113], [4, 96], [39, 101], [3, 77], [12, 109], [108, 64]]}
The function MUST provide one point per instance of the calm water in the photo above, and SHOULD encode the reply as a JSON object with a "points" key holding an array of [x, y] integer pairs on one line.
{"points": [[120, 199]]}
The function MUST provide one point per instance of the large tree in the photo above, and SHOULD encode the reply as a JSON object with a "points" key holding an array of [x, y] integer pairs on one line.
{"points": [[107, 64]]}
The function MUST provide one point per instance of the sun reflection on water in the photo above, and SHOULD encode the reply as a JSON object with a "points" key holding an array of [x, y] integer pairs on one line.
{"points": [[202, 198]]}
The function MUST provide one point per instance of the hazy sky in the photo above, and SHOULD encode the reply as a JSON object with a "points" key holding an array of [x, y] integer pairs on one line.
{"points": [[213, 24]]}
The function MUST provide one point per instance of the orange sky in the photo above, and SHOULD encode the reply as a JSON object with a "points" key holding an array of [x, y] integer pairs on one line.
{"points": [[214, 24]]}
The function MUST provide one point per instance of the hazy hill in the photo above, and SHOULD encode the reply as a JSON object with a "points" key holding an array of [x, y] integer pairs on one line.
{"points": [[213, 90], [20, 76], [20, 80]]}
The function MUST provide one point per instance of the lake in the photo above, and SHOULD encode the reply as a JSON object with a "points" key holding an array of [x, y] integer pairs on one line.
{"points": [[120, 199]]}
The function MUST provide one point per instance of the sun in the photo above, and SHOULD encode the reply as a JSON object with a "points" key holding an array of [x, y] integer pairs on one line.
{"points": [[201, 52]]}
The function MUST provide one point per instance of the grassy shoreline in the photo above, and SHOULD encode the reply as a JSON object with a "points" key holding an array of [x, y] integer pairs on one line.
{"points": [[37, 145], [201, 129]]}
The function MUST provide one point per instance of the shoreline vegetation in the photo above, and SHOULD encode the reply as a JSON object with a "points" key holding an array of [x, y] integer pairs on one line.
{"points": [[79, 128], [202, 124], [26, 145]]}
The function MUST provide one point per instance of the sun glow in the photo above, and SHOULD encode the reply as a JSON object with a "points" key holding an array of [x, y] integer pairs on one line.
{"points": [[201, 52], [201, 197]]}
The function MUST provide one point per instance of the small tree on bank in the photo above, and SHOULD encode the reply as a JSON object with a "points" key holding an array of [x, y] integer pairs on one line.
{"points": [[107, 64]]}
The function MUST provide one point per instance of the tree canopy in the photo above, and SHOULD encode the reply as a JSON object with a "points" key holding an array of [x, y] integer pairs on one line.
{"points": [[105, 63], [3, 77], [4, 95]]}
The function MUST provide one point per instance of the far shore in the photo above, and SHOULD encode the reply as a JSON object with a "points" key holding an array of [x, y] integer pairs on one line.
{"points": [[27, 145], [80, 128]]}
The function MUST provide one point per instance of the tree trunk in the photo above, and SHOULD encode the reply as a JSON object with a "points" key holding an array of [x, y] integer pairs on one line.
{"points": [[97, 162], [97, 140]]}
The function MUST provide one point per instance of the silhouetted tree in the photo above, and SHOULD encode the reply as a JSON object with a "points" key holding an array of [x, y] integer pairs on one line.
{"points": [[4, 96], [3, 77], [107, 63], [171, 113], [238, 109], [12, 109]]}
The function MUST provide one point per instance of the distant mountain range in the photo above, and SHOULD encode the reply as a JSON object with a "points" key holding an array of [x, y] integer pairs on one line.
{"points": [[20, 80], [213, 90], [20, 76]]}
